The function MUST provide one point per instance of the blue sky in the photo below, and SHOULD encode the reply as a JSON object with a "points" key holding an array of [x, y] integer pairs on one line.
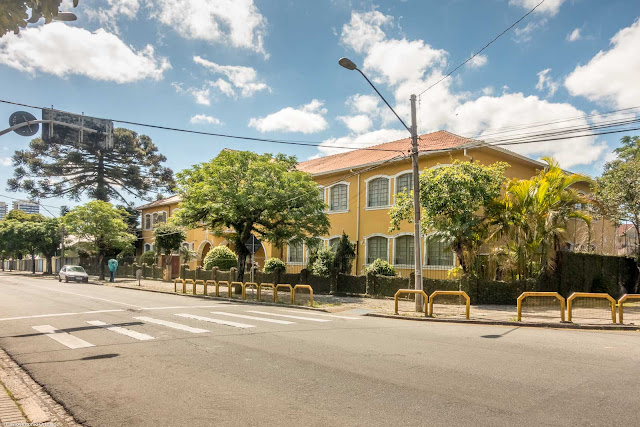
{"points": [[269, 69]]}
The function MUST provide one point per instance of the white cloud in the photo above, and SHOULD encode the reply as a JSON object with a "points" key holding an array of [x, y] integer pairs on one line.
{"points": [[203, 118], [108, 16], [201, 95], [611, 76], [5, 161], [235, 22], [525, 34], [365, 30], [63, 50], [545, 82], [488, 90], [243, 78], [328, 146], [357, 124], [367, 104], [574, 35], [549, 7], [477, 61], [307, 118]]}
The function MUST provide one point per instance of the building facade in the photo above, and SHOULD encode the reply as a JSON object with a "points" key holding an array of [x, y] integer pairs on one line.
{"points": [[359, 187], [26, 206], [3, 210]]}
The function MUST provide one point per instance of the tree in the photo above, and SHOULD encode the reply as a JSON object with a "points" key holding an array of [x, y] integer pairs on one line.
{"points": [[33, 234], [49, 240], [239, 193], [345, 254], [14, 14], [99, 227], [72, 169], [168, 238], [454, 199], [533, 215], [324, 263], [618, 189], [221, 257]]}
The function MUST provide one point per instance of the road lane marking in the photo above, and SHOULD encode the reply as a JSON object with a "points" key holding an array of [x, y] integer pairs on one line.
{"points": [[261, 319], [324, 314], [59, 314], [289, 317], [63, 338], [179, 306], [218, 321], [120, 330], [86, 296], [172, 325]]}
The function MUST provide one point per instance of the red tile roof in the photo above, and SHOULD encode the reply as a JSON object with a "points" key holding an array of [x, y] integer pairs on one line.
{"points": [[428, 142], [161, 202]]}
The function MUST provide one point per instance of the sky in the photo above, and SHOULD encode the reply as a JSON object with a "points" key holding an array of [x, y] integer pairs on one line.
{"points": [[269, 69]]}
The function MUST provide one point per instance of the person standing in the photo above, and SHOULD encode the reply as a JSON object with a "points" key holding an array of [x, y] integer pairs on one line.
{"points": [[113, 266]]}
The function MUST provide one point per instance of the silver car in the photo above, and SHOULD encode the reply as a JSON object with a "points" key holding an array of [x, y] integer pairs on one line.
{"points": [[73, 272]]}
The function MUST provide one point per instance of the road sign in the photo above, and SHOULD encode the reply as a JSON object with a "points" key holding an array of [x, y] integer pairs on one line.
{"points": [[22, 117], [253, 244], [77, 129]]}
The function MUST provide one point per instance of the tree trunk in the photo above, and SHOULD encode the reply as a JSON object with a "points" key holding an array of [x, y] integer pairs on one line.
{"points": [[101, 262], [49, 265], [33, 263], [101, 187], [242, 251]]}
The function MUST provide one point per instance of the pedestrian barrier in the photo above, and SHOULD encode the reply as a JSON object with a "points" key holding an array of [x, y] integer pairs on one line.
{"points": [[220, 283], [284, 286], [411, 291], [293, 293], [266, 285], [214, 283], [621, 304], [591, 295], [184, 291], [235, 284], [542, 294], [244, 288], [201, 282], [458, 293], [175, 285]]}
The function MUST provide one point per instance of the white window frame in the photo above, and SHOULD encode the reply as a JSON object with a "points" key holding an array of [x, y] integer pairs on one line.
{"points": [[329, 211], [304, 255], [366, 199], [425, 252], [366, 246], [330, 238], [394, 250], [144, 225], [323, 189], [154, 218], [144, 248]]}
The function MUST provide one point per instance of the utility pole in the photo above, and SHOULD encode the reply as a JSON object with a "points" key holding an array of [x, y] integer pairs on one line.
{"points": [[416, 207]]}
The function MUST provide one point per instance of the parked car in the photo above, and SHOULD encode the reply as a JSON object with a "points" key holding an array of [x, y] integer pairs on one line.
{"points": [[73, 272]]}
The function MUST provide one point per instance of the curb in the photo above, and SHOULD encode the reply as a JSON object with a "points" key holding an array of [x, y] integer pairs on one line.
{"points": [[556, 325]]}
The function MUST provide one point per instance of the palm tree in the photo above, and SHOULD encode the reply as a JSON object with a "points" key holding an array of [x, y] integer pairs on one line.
{"points": [[532, 219]]}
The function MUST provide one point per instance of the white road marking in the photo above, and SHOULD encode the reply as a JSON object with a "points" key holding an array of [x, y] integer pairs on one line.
{"points": [[261, 319], [59, 314], [172, 325], [120, 330], [85, 296], [62, 337], [179, 306], [218, 321], [325, 315], [288, 316]]}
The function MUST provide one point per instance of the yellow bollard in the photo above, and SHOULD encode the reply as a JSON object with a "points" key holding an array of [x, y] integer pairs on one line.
{"points": [[459, 293], [621, 304], [266, 285], [540, 294], [411, 291], [175, 284], [220, 284], [244, 288], [232, 285], [203, 283], [591, 295], [293, 293], [214, 283], [285, 286]]}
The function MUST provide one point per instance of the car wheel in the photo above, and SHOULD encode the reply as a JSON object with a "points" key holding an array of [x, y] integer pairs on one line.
{"points": [[66, 279], [85, 280], [59, 278]]}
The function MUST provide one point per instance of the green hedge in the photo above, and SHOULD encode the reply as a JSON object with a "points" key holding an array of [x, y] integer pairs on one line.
{"points": [[351, 284]]}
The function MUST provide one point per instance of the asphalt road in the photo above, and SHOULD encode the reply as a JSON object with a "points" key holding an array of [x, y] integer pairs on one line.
{"points": [[233, 370]]}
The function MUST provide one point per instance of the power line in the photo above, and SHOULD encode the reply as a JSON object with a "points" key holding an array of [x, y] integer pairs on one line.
{"points": [[221, 135], [485, 46]]}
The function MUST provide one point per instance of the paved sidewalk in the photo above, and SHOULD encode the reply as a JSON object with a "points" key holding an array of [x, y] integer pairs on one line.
{"points": [[586, 312]]}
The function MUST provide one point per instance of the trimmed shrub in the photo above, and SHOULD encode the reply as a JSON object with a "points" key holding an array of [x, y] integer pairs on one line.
{"points": [[324, 263], [272, 264], [148, 258], [221, 257], [381, 268]]}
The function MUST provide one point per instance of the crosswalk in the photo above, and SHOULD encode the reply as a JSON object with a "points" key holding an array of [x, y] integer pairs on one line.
{"points": [[223, 319]]}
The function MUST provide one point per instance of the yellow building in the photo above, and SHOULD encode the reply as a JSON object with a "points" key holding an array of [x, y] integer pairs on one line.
{"points": [[358, 188]]}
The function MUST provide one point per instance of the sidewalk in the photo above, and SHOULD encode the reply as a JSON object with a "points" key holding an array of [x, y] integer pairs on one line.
{"points": [[593, 314]]}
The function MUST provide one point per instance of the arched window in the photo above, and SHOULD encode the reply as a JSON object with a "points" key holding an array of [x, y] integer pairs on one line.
{"points": [[404, 253], [404, 183], [147, 222], [147, 247], [378, 192], [333, 243], [377, 247], [338, 194], [438, 253]]}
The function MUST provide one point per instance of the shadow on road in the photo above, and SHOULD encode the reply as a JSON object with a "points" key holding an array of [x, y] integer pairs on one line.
{"points": [[500, 335]]}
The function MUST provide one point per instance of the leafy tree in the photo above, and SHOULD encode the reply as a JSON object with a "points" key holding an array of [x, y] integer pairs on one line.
{"points": [[187, 255], [132, 168], [221, 257], [532, 218], [273, 264], [324, 263], [32, 234], [618, 189], [99, 228], [454, 199], [345, 254], [22, 216], [149, 257], [243, 193], [380, 267], [49, 240], [168, 238], [13, 13]]}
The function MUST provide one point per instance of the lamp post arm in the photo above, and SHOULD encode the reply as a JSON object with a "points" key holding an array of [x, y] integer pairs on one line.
{"points": [[385, 101]]}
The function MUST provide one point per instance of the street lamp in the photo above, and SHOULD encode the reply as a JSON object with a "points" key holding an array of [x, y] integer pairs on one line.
{"points": [[413, 130]]}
